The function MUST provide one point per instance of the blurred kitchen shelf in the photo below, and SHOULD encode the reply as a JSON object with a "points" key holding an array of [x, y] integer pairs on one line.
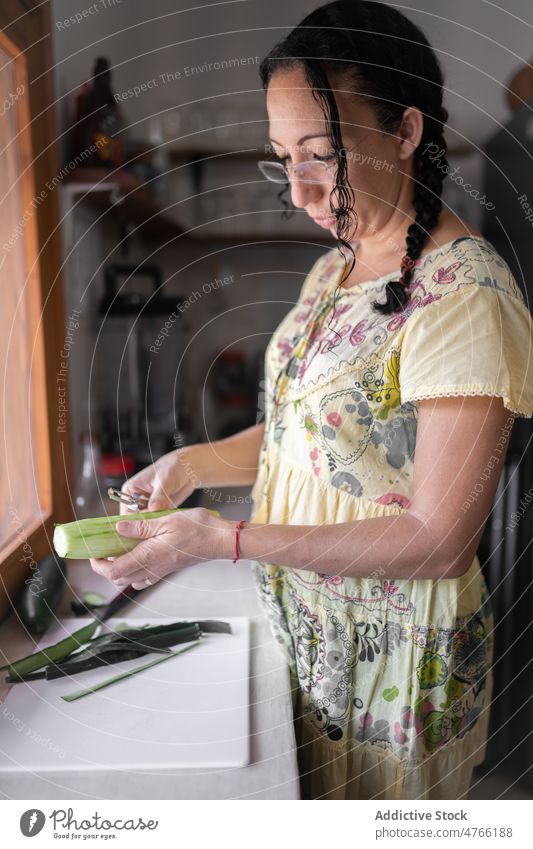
{"points": [[123, 193], [213, 236], [199, 154]]}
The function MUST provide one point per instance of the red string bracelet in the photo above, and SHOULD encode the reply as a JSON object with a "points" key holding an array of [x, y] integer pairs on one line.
{"points": [[238, 527]]}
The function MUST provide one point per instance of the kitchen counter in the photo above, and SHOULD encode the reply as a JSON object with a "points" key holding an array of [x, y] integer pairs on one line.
{"points": [[212, 590]]}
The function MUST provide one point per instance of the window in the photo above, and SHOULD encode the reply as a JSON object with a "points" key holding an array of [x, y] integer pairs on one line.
{"points": [[34, 451]]}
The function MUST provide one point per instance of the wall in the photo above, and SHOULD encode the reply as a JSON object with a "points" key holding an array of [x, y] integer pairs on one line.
{"points": [[479, 44]]}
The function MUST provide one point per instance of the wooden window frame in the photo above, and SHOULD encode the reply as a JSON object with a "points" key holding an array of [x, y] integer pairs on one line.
{"points": [[25, 34]]}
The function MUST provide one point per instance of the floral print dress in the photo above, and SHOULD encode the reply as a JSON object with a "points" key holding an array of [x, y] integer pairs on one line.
{"points": [[392, 678]]}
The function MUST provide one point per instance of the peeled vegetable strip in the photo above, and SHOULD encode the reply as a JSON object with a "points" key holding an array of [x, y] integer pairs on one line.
{"points": [[107, 656], [63, 658], [119, 651], [58, 651], [161, 636], [126, 644], [53, 653], [73, 696]]}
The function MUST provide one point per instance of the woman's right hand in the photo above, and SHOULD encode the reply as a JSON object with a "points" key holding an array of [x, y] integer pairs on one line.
{"points": [[167, 482]]}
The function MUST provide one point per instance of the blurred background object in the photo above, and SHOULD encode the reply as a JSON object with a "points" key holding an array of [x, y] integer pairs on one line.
{"points": [[508, 179], [97, 125], [506, 552]]}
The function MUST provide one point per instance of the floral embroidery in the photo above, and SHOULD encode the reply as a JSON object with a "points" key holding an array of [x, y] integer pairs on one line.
{"points": [[394, 498], [446, 275], [310, 425], [374, 731], [308, 643], [284, 346], [470, 651], [432, 671], [416, 302], [383, 389], [358, 333], [347, 483], [451, 669], [345, 443], [381, 598], [398, 437], [373, 639], [461, 679]]}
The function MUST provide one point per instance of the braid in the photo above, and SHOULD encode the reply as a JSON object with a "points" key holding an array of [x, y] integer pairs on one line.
{"points": [[427, 201]]}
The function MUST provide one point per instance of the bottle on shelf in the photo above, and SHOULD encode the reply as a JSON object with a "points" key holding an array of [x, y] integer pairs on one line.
{"points": [[90, 497], [98, 121]]}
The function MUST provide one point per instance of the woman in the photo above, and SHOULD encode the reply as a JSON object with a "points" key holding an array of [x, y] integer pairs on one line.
{"points": [[391, 391]]}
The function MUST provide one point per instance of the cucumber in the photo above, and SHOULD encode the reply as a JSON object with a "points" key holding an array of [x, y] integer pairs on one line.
{"points": [[42, 593], [88, 605]]}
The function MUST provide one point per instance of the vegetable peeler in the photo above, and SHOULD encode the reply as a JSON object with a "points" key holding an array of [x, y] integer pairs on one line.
{"points": [[136, 501]]}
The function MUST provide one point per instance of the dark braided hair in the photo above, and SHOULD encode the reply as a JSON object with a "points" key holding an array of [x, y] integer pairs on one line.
{"points": [[388, 60]]}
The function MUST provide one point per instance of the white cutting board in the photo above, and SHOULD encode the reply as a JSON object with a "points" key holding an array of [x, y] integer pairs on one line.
{"points": [[190, 711]]}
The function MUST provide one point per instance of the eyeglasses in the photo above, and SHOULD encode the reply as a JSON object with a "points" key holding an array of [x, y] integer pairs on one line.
{"points": [[313, 171]]}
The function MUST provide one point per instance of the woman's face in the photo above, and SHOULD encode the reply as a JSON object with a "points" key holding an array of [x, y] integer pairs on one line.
{"points": [[375, 160]]}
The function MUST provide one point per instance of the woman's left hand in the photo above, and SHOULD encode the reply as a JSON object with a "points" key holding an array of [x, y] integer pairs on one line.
{"points": [[167, 545]]}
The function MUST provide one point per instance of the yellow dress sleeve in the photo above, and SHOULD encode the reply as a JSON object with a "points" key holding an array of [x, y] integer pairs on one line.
{"points": [[477, 340]]}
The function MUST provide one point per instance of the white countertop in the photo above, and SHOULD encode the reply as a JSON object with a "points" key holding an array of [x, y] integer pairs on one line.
{"points": [[214, 589]]}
